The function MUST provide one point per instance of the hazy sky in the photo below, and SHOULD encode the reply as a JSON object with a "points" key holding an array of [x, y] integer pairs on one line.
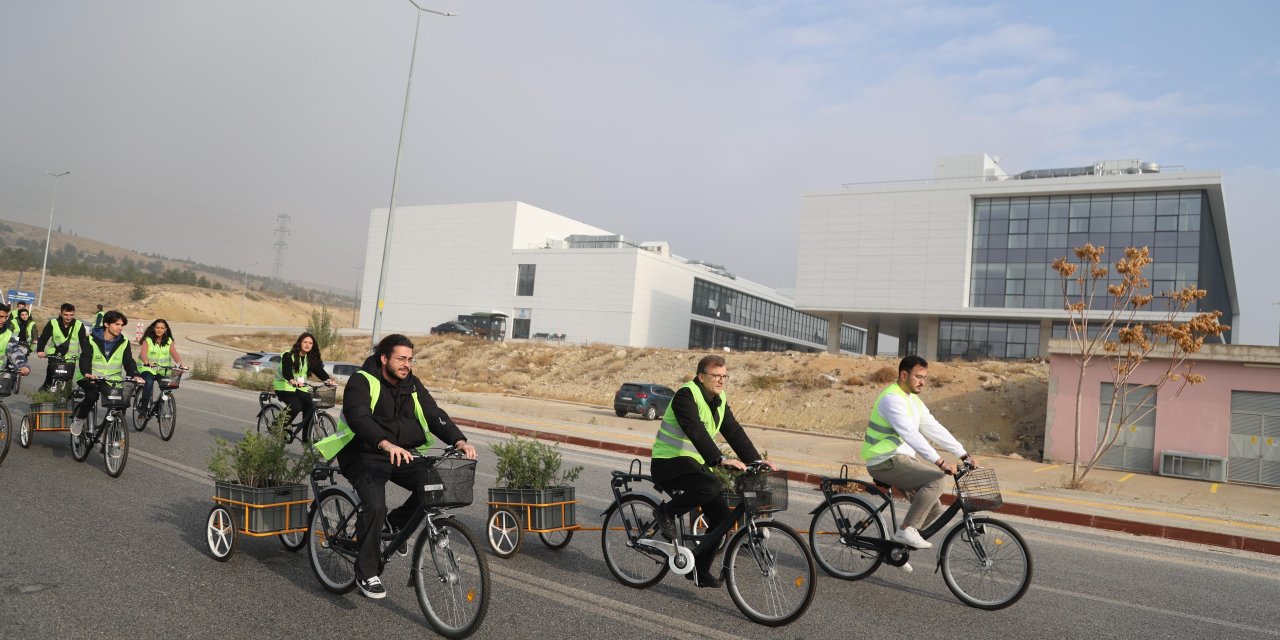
{"points": [[188, 127]]}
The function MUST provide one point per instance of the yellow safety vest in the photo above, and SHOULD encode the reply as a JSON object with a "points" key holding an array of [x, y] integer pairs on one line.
{"points": [[157, 354], [109, 368], [671, 441], [281, 383], [331, 445], [881, 439], [57, 337]]}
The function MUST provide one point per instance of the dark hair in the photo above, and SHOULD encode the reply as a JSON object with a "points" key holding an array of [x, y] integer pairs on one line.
{"points": [[389, 343], [22, 303], [151, 332], [4, 307], [99, 307], [313, 357], [710, 361], [910, 362], [66, 306], [113, 317], [22, 311]]}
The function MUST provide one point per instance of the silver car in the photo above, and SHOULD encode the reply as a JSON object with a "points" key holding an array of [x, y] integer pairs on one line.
{"points": [[255, 361]]}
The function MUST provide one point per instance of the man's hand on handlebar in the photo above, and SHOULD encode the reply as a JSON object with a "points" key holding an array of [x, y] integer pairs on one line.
{"points": [[733, 464], [398, 455], [467, 450], [330, 383], [25, 371]]}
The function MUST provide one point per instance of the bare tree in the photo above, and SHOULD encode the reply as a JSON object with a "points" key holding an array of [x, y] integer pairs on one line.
{"points": [[1117, 336]]}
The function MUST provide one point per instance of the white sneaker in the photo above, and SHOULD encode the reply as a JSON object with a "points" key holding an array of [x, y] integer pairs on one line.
{"points": [[77, 427], [910, 537], [906, 567]]}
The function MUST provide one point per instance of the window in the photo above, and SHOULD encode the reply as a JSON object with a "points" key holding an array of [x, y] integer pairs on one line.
{"points": [[524, 279]]}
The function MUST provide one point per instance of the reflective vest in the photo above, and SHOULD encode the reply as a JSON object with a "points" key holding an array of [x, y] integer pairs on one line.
{"points": [[281, 383], [5, 337], [157, 355], [110, 368], [57, 337], [27, 332], [97, 319], [330, 446], [671, 441], [881, 439]]}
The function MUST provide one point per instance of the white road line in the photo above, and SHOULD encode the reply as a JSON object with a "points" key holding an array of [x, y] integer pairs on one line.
{"points": [[1158, 610], [190, 473]]}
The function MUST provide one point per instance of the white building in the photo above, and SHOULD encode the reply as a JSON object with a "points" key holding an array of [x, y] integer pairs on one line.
{"points": [[556, 276], [959, 266]]}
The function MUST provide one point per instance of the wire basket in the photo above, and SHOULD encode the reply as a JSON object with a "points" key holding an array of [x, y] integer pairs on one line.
{"points": [[764, 492], [116, 396], [449, 483], [170, 380], [979, 491], [324, 397]]}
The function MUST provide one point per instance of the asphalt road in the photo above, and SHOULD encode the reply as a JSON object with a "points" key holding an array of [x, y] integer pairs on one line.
{"points": [[83, 555]]}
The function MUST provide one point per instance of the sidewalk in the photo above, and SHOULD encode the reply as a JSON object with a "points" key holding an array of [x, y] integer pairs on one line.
{"points": [[1224, 515]]}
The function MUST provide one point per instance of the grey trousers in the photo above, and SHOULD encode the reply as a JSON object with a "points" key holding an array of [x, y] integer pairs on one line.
{"points": [[921, 481]]}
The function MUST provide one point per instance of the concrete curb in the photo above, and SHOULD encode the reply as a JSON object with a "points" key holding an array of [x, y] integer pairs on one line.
{"points": [[1165, 532]]}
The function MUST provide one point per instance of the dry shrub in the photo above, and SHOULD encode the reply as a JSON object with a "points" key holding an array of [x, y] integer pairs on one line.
{"points": [[884, 375], [940, 376], [514, 380], [1020, 369], [855, 381], [763, 382], [992, 366], [811, 382]]}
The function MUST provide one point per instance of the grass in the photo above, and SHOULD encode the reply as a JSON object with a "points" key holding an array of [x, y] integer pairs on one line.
{"points": [[254, 381], [206, 367]]}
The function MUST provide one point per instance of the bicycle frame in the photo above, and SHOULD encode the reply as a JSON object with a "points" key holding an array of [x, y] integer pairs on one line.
{"points": [[293, 432]]}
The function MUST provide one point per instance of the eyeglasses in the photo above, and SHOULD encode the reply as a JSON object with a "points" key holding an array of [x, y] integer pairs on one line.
{"points": [[403, 359], [718, 377]]}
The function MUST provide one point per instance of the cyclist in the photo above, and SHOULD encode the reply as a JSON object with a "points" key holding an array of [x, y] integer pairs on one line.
{"points": [[15, 347], [98, 318], [25, 327], [897, 453], [684, 451], [65, 333], [109, 359], [156, 350], [290, 384], [387, 416]]}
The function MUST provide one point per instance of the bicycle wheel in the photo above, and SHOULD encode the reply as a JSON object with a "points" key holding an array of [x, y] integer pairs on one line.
{"points": [[331, 536], [267, 417], [80, 444], [451, 578], [115, 445], [639, 567], [770, 573], [298, 539], [988, 566], [220, 533], [504, 534], [556, 540], [137, 414], [323, 427], [168, 418], [842, 556], [6, 431], [24, 432]]}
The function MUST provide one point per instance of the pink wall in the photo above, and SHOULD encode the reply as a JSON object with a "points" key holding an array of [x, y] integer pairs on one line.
{"points": [[1197, 421]]}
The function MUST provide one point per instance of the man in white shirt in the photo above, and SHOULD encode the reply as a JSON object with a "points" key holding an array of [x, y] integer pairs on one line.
{"points": [[897, 452]]}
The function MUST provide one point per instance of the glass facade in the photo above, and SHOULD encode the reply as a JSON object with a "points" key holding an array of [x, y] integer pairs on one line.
{"points": [[1015, 240], [524, 279], [987, 339], [729, 311]]}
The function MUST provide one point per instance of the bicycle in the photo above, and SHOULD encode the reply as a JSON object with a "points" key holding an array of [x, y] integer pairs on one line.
{"points": [[164, 408], [322, 424], [984, 562], [449, 574], [9, 383], [111, 433], [64, 369], [767, 568]]}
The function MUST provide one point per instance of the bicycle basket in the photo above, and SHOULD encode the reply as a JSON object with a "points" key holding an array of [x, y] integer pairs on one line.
{"points": [[170, 380], [8, 381], [764, 492], [117, 397], [449, 483], [62, 370], [979, 491], [324, 397]]}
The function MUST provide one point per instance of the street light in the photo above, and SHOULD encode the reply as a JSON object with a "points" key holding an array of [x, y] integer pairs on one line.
{"points": [[395, 176], [49, 234], [243, 289]]}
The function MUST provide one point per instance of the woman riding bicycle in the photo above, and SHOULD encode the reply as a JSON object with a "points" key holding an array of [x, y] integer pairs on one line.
{"points": [[291, 379], [685, 449], [156, 350]]}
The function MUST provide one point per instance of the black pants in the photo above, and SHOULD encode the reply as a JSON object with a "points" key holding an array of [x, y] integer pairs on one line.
{"points": [[91, 388], [692, 485], [300, 404], [369, 474], [48, 377], [147, 378]]}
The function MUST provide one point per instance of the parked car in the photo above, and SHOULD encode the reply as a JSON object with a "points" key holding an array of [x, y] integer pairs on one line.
{"points": [[340, 371], [648, 400], [454, 327], [256, 361]]}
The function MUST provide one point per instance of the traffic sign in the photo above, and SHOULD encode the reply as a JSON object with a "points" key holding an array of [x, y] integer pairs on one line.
{"points": [[15, 296]]}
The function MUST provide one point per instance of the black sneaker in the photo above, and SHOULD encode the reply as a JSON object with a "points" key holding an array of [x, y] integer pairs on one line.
{"points": [[389, 531], [704, 579], [372, 588], [666, 524]]}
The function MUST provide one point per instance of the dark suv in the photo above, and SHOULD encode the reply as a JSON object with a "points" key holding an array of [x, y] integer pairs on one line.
{"points": [[648, 400]]}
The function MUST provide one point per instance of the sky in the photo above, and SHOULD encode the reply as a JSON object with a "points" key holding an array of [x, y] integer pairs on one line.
{"points": [[189, 127]]}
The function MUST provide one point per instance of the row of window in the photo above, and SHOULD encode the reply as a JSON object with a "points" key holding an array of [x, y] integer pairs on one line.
{"points": [[987, 339], [1089, 205], [729, 307]]}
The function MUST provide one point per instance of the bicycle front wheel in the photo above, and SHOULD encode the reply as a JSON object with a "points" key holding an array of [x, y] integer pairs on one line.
{"points": [[137, 413], [331, 540], [267, 417], [115, 446], [451, 577], [324, 427], [626, 522], [834, 533], [168, 418], [986, 565], [770, 573], [6, 431]]}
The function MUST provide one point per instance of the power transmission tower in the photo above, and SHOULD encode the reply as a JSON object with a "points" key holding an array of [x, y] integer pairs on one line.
{"points": [[282, 232]]}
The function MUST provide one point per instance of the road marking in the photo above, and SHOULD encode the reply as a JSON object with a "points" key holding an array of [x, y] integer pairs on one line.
{"points": [[1126, 477], [660, 626], [1213, 488], [1052, 466], [1157, 512], [190, 473], [1157, 610]]}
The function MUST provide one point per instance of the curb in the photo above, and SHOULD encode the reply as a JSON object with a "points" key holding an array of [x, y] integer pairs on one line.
{"points": [[1181, 534]]}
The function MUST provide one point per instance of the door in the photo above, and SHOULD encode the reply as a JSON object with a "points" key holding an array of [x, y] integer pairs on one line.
{"points": [[1134, 448], [1254, 449]]}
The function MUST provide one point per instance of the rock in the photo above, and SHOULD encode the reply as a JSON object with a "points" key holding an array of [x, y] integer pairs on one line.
{"points": [[1015, 456], [990, 436], [620, 354]]}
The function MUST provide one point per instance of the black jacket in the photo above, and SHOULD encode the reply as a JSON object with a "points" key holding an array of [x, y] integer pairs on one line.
{"points": [[686, 411], [393, 418], [107, 348], [315, 369]]}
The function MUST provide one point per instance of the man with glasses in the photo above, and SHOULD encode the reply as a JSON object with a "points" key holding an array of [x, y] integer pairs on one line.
{"points": [[387, 417], [684, 451]]}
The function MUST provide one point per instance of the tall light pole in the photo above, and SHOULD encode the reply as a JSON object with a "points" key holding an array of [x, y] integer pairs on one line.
{"points": [[395, 176], [244, 288], [49, 234]]}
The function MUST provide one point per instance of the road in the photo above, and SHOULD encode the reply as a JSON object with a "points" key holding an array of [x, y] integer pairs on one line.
{"points": [[83, 555]]}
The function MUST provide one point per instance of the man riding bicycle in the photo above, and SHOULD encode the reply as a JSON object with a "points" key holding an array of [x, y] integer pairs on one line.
{"points": [[13, 344], [387, 417], [684, 451], [107, 359]]}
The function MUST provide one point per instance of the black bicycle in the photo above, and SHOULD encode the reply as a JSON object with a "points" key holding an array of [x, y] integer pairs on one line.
{"points": [[64, 369], [322, 424], [449, 574], [111, 433], [9, 382], [164, 409], [984, 561], [766, 566]]}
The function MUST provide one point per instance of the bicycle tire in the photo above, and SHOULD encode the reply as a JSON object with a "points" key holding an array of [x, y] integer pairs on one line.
{"points": [[168, 418], [115, 446], [80, 443], [6, 431], [1002, 579], [323, 427], [333, 524], [137, 416], [297, 540], [842, 559], [770, 573], [25, 432], [267, 417], [556, 540], [451, 578], [503, 533], [626, 521]]}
